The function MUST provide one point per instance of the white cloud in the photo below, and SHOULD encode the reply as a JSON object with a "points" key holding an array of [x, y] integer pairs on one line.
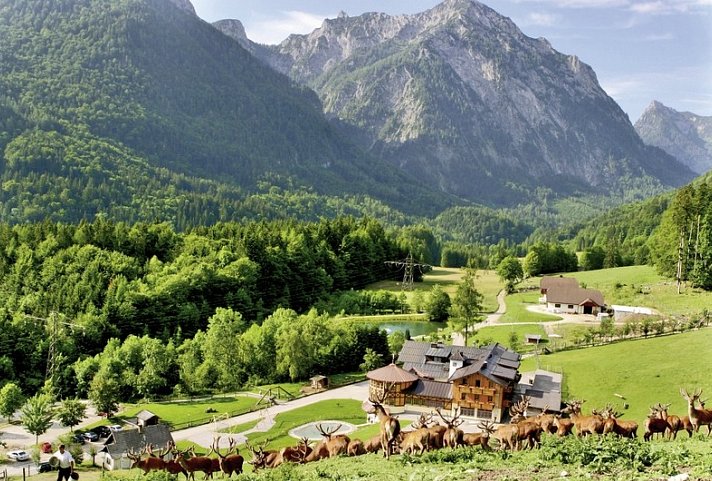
{"points": [[542, 19], [650, 7], [659, 36], [580, 3], [274, 30]]}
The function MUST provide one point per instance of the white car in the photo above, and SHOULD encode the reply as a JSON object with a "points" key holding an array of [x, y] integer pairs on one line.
{"points": [[18, 455], [115, 427]]}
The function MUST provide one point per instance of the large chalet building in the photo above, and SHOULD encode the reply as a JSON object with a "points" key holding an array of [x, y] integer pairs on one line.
{"points": [[479, 382], [564, 295]]}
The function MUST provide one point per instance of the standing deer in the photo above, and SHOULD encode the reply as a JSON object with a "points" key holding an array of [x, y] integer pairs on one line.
{"points": [[529, 429], [564, 426], [654, 424], [390, 426], [418, 440], [192, 463], [676, 423], [698, 417], [453, 434], [611, 424], [172, 465], [592, 424], [151, 463], [231, 462]]}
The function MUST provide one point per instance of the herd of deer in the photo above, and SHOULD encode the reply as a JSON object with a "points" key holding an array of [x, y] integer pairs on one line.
{"points": [[521, 432]]}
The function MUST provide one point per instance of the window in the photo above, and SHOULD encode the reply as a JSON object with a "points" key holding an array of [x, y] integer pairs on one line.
{"points": [[463, 396], [489, 399], [557, 305], [484, 414], [477, 383], [571, 306], [477, 397], [467, 411]]}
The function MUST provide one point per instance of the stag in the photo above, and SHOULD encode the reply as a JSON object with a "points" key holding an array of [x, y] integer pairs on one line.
{"points": [[418, 440], [151, 463], [192, 463], [481, 438], [564, 426], [592, 424], [546, 421], [676, 423], [611, 424], [263, 459], [654, 424], [698, 417], [172, 465], [452, 437], [507, 435], [529, 430], [230, 462], [389, 425]]}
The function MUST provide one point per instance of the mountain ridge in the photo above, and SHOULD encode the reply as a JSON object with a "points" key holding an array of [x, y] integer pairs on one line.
{"points": [[460, 97]]}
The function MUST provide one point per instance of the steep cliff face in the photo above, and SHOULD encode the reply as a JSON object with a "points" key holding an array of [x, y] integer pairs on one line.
{"points": [[460, 97], [184, 5], [684, 135]]}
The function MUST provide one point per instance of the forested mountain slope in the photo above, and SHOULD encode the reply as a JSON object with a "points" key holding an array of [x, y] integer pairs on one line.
{"points": [[120, 104]]}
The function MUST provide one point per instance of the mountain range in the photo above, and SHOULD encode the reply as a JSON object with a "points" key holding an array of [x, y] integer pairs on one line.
{"points": [[684, 135], [461, 98], [139, 110]]}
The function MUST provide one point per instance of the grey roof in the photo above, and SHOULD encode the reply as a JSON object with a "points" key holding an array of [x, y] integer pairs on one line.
{"points": [[494, 361], [433, 389], [544, 389], [127, 440], [145, 415]]}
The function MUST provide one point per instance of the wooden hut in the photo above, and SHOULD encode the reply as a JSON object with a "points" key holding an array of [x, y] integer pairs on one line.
{"points": [[393, 377]]}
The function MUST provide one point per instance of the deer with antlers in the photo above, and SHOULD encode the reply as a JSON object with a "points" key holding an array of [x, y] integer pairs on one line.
{"points": [[564, 426], [452, 437], [389, 425], [698, 417], [611, 424], [331, 445], [529, 429], [417, 440], [585, 425], [263, 459], [230, 462], [172, 465], [150, 463], [296, 454], [481, 438], [654, 424], [675, 423], [192, 463]]}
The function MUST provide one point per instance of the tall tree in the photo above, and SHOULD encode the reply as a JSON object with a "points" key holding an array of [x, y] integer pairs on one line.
{"points": [[11, 399], [467, 305], [439, 303], [37, 415], [510, 271], [71, 412]]}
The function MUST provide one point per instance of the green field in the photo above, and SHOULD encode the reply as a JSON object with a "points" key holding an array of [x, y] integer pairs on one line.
{"points": [[644, 371], [501, 335], [517, 308]]}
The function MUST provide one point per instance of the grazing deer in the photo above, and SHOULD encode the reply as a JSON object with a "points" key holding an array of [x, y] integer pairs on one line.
{"points": [[192, 463], [585, 425], [453, 434], [230, 462], [151, 463], [389, 425], [698, 417], [481, 438]]}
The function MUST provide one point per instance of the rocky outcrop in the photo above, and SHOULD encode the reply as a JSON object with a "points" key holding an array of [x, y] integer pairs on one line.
{"points": [[684, 135], [184, 5]]}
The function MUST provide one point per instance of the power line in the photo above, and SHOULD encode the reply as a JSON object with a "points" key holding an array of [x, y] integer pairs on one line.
{"points": [[408, 265]]}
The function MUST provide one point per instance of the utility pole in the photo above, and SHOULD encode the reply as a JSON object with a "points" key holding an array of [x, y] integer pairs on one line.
{"points": [[53, 358], [408, 265]]}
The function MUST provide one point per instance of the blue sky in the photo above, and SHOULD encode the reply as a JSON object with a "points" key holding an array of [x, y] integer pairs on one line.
{"points": [[641, 50]]}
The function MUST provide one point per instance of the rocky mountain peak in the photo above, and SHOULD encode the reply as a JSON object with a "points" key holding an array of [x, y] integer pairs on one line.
{"points": [[232, 28], [184, 5]]}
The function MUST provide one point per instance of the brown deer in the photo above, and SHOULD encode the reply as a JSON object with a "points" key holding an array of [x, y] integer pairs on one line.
{"points": [[296, 454], [230, 462], [390, 426], [507, 435], [529, 429], [564, 426], [676, 423], [417, 440], [481, 438], [172, 465], [192, 463], [263, 459], [585, 425], [452, 437], [546, 421], [373, 445], [654, 424], [151, 463], [611, 424], [698, 417]]}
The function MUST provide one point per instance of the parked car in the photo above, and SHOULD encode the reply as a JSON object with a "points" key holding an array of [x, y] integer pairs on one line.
{"points": [[45, 467], [91, 436], [18, 455], [46, 447], [78, 438], [102, 431], [115, 427]]}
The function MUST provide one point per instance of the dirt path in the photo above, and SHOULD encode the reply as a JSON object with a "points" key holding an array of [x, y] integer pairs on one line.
{"points": [[459, 340]]}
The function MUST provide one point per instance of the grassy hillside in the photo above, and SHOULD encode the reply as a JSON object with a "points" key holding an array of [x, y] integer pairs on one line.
{"points": [[645, 371]]}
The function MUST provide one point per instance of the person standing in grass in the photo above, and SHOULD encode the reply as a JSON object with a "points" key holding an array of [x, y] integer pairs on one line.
{"points": [[66, 463]]}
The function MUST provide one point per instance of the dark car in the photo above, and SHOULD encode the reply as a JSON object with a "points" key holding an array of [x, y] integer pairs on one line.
{"points": [[45, 467], [102, 431], [78, 438], [91, 436]]}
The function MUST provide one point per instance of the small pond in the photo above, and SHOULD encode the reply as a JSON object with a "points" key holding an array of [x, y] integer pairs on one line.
{"points": [[416, 328], [310, 431]]}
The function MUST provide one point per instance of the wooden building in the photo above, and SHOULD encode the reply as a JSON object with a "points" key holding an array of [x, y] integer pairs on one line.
{"points": [[477, 381]]}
